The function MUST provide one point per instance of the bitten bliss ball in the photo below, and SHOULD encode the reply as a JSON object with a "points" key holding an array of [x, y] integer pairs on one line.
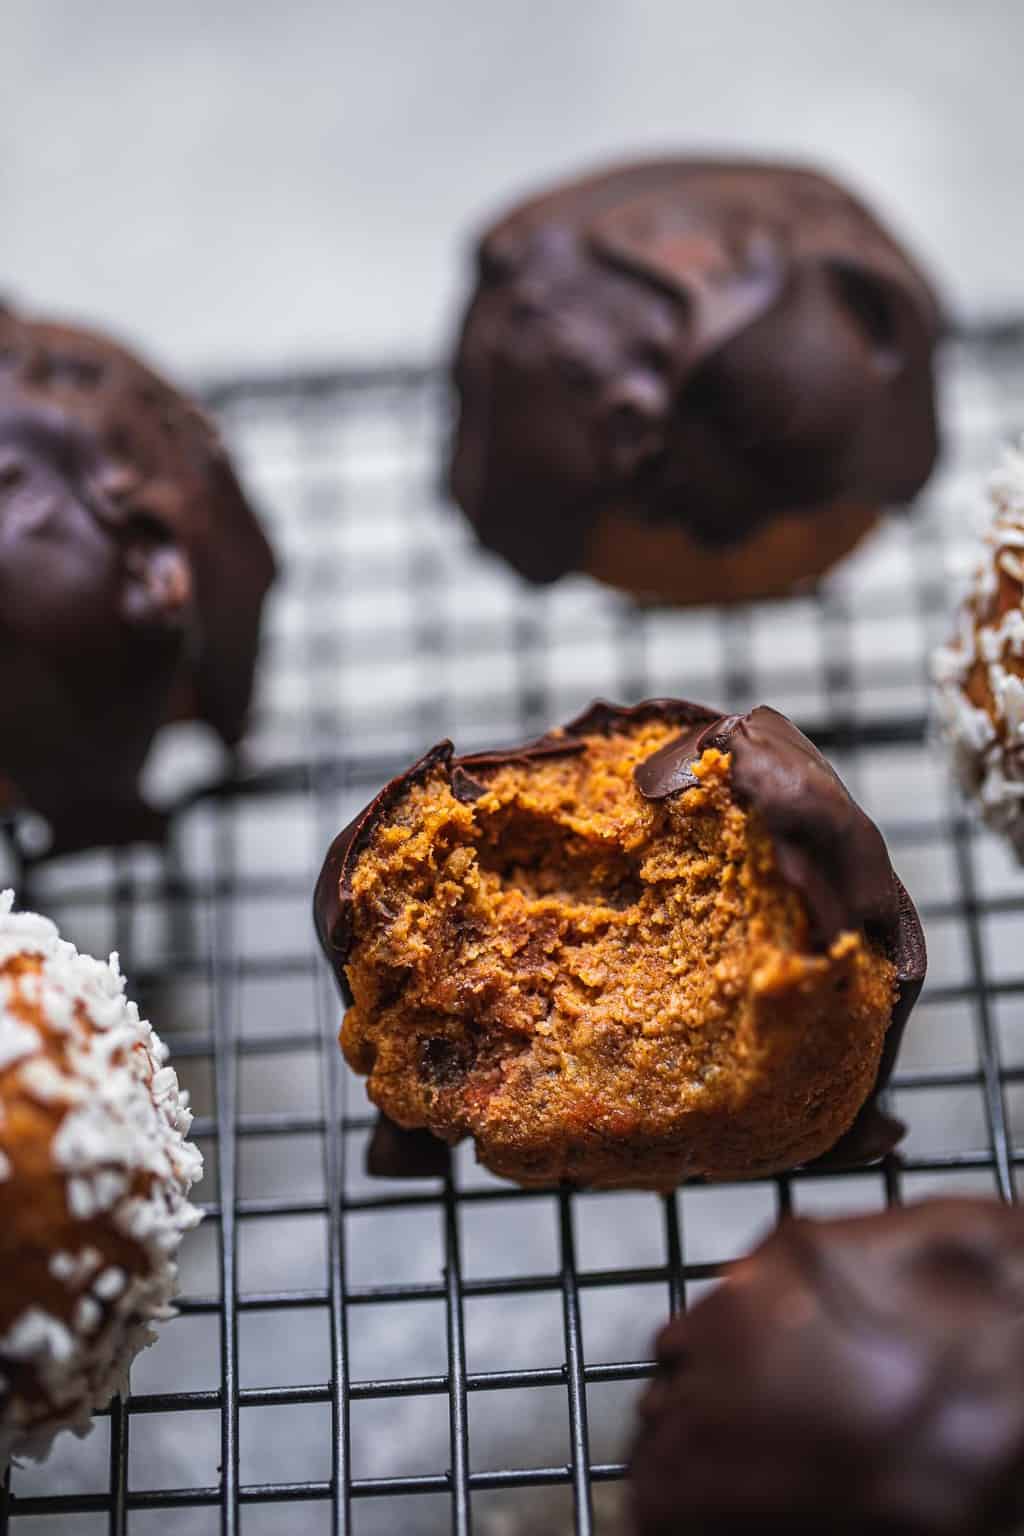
{"points": [[979, 674], [698, 381], [861, 1376], [95, 1174], [132, 578], [656, 943]]}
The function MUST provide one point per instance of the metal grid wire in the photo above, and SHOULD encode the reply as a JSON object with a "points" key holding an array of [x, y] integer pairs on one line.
{"points": [[462, 1355]]}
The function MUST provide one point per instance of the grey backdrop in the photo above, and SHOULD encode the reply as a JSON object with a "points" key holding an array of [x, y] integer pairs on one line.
{"points": [[252, 184]]}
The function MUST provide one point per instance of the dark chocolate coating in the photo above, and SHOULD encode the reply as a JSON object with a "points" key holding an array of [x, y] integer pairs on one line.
{"points": [[132, 577], [825, 846], [395, 1153], [861, 1376], [707, 343]]}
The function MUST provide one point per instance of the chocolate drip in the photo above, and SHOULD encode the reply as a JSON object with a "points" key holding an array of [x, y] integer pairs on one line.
{"points": [[394, 1153]]}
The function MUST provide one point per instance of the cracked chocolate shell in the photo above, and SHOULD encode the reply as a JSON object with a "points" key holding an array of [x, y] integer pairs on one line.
{"points": [[657, 943]]}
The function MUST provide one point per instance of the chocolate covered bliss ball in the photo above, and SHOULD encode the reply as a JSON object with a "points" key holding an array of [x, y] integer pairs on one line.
{"points": [[698, 381], [657, 943], [861, 1376], [132, 578]]}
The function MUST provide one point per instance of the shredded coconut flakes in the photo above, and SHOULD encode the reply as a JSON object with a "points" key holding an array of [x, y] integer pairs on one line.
{"points": [[120, 1146], [987, 750]]}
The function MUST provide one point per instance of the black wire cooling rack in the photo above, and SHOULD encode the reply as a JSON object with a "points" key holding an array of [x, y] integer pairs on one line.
{"points": [[462, 1355]]}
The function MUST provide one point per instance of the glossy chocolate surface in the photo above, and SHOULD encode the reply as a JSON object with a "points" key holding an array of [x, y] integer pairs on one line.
{"points": [[861, 1376], [705, 343], [132, 577]]}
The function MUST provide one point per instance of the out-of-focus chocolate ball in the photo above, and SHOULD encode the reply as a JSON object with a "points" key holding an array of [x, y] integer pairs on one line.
{"points": [[132, 576], [861, 1376], [695, 380]]}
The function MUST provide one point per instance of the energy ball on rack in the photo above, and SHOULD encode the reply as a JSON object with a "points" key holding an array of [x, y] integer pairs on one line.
{"points": [[861, 1376], [95, 1174], [979, 675], [657, 943], [698, 381], [132, 576]]}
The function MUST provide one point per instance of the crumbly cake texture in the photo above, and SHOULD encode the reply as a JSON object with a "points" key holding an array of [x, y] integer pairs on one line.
{"points": [[598, 983], [979, 674], [95, 1174], [863, 1376]]}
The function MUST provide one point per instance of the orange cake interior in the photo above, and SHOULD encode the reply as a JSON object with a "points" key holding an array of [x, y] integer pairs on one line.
{"points": [[601, 987]]}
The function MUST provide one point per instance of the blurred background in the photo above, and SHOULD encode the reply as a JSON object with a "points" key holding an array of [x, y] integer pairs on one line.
{"points": [[255, 185]]}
